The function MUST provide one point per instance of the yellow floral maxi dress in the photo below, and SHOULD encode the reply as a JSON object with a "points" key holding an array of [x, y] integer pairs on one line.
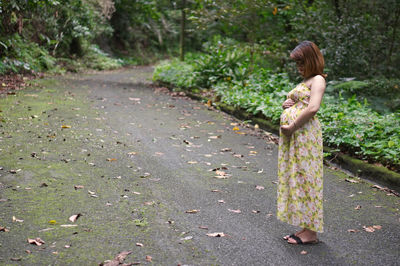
{"points": [[300, 167]]}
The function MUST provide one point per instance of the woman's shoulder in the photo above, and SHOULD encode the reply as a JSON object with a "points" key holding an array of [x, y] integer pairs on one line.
{"points": [[317, 81]]}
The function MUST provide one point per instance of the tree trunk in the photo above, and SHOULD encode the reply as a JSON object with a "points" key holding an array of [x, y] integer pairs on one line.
{"points": [[389, 58], [182, 36]]}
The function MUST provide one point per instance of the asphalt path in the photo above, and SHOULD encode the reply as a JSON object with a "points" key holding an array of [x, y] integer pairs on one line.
{"points": [[160, 174]]}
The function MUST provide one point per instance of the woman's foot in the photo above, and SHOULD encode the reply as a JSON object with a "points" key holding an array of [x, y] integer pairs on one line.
{"points": [[305, 237], [296, 234]]}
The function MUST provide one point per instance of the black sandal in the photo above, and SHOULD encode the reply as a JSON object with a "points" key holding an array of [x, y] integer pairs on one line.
{"points": [[288, 236], [300, 242]]}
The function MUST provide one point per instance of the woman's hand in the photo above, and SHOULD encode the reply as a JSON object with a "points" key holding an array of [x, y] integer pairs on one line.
{"points": [[288, 103], [288, 130]]}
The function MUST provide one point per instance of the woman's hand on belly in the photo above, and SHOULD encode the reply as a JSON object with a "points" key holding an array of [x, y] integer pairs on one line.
{"points": [[288, 129], [288, 103]]}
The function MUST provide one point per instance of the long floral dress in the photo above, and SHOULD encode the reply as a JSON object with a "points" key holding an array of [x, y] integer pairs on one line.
{"points": [[300, 167]]}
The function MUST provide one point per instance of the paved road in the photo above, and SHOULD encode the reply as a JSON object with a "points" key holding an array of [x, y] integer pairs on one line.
{"points": [[133, 161]]}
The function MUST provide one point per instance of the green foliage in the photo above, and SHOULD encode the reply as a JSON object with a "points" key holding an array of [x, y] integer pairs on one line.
{"points": [[382, 94], [175, 72], [93, 59], [23, 56]]}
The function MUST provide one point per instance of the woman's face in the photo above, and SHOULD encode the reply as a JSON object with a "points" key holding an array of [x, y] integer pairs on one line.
{"points": [[300, 67]]}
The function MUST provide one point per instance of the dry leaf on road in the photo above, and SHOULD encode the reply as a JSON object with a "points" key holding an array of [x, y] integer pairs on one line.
{"points": [[353, 230], [216, 234], [4, 229], [17, 220], [119, 259], [235, 211], [37, 241], [74, 217], [192, 211]]}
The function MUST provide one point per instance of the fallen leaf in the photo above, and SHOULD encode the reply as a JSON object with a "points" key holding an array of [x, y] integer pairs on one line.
{"points": [[260, 187], [148, 258], [238, 155], [216, 234], [203, 227], [16, 259], [351, 180], [37, 241], [67, 246], [378, 227], [91, 192], [368, 229], [215, 137], [52, 222], [221, 201], [119, 259], [255, 211], [187, 142], [191, 162], [46, 229], [260, 171], [226, 149], [256, 126], [74, 217], [216, 190], [145, 175], [235, 129], [68, 225], [17, 220], [353, 230], [192, 211], [4, 229], [139, 244], [65, 126], [159, 153], [132, 153], [111, 159], [134, 99], [303, 252], [235, 211], [186, 238]]}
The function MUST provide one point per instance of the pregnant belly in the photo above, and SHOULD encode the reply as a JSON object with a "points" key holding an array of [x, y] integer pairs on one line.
{"points": [[288, 115]]}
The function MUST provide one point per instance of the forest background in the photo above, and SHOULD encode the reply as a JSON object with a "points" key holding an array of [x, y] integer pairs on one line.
{"points": [[237, 49]]}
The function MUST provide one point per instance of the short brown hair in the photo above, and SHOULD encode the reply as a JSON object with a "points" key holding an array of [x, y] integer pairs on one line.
{"points": [[308, 54]]}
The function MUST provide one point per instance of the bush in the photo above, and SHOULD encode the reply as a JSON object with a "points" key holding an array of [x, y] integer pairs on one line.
{"points": [[24, 56], [382, 94]]}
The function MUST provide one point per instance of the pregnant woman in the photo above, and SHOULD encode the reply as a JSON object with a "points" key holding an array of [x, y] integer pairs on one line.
{"points": [[300, 162]]}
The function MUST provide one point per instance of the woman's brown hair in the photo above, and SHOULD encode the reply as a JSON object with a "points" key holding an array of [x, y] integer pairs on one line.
{"points": [[310, 57]]}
